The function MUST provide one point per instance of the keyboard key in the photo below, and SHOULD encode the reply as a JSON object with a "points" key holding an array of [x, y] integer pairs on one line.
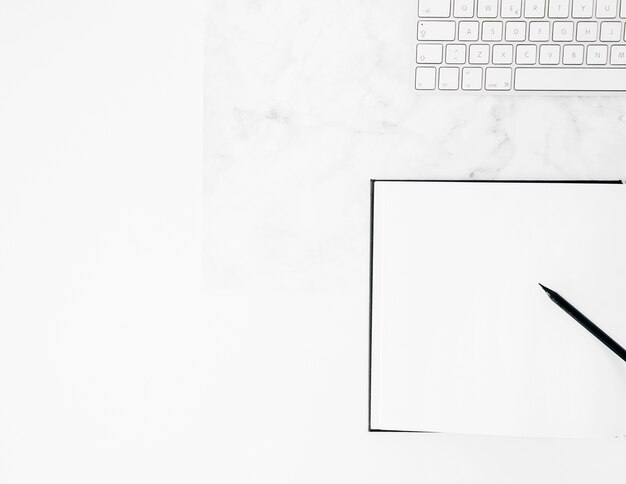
{"points": [[606, 8], [455, 53], [558, 9], [618, 55], [597, 55], [586, 31], [436, 30], [526, 54], [487, 8], [502, 54], [563, 31], [498, 78], [468, 31], [515, 31], [582, 8], [492, 31], [623, 10], [571, 79], [448, 78], [573, 54], [549, 54], [464, 8], [539, 31], [611, 31], [433, 8], [479, 54], [472, 78], [511, 9], [425, 78], [429, 53], [535, 9]]}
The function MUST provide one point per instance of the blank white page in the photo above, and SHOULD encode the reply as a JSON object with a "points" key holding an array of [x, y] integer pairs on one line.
{"points": [[463, 338]]}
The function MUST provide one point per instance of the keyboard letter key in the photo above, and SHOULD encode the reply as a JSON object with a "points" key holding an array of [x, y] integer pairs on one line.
{"points": [[539, 31], [549, 54], [464, 8], [606, 9], [582, 9], [597, 55], [468, 31], [611, 31], [573, 54], [526, 54], [586, 31], [563, 31], [535, 9], [479, 54], [618, 55], [515, 31], [511, 8], [492, 31], [558, 9], [503, 54], [488, 8]]}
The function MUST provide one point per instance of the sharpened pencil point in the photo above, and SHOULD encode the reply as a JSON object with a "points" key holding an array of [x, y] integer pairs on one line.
{"points": [[549, 291]]}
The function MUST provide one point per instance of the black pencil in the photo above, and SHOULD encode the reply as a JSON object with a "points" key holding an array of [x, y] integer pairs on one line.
{"points": [[585, 322]]}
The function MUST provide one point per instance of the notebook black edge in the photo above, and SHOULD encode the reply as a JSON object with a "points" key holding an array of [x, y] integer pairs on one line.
{"points": [[596, 182], [371, 268], [371, 292]]}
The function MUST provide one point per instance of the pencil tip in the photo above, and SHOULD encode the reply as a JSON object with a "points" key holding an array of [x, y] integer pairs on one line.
{"points": [[549, 291]]}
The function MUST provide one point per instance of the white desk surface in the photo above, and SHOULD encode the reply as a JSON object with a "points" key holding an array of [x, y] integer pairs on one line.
{"points": [[109, 372], [304, 103]]}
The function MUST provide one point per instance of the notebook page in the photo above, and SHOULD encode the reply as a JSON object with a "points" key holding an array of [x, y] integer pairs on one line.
{"points": [[465, 340]]}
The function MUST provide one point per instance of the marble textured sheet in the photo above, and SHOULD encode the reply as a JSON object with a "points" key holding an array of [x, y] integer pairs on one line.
{"points": [[305, 102]]}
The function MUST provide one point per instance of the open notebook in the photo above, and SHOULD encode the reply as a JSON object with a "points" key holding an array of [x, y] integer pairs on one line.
{"points": [[464, 340]]}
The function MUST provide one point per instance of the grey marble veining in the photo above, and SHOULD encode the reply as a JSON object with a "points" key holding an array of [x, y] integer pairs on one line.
{"points": [[306, 101]]}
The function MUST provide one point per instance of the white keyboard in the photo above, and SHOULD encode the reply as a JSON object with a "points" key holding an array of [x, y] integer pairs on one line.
{"points": [[521, 46]]}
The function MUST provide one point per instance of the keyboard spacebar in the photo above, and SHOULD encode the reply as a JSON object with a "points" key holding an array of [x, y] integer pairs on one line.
{"points": [[569, 79]]}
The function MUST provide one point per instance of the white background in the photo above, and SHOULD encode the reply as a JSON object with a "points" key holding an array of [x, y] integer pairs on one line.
{"points": [[109, 370], [103, 369]]}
